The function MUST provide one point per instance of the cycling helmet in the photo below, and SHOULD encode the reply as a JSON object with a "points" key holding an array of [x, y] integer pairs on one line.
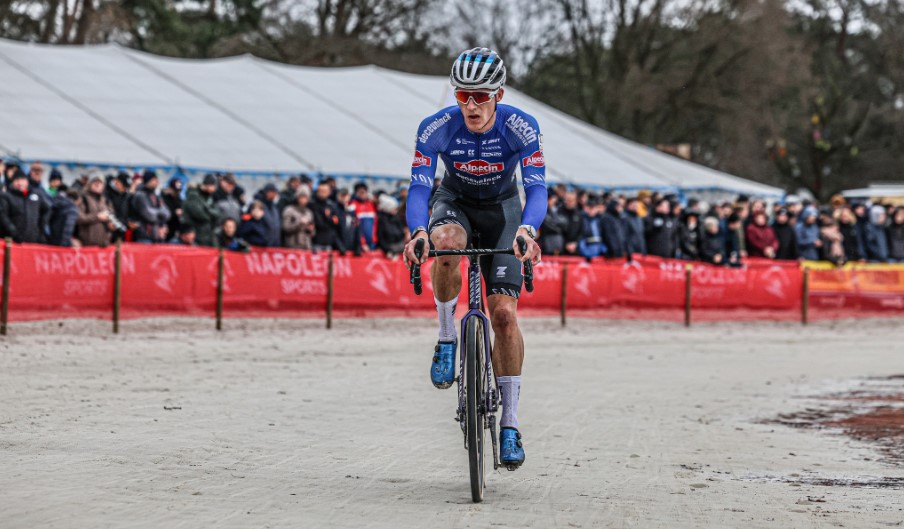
{"points": [[478, 69]]}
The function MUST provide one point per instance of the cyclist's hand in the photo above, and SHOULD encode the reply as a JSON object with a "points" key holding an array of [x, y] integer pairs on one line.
{"points": [[409, 249], [533, 249]]}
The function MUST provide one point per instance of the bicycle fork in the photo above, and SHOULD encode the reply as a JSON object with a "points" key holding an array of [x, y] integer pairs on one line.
{"points": [[490, 403]]}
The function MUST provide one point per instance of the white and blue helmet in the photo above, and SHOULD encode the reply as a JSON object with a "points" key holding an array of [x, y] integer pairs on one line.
{"points": [[478, 69]]}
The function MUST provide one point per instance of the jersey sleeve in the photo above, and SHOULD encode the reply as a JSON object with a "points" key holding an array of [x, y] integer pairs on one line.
{"points": [[423, 169], [533, 175]]}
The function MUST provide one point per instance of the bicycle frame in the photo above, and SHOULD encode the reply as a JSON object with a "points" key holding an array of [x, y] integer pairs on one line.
{"points": [[475, 310]]}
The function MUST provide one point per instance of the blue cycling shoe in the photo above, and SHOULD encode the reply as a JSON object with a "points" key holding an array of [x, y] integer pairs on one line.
{"points": [[511, 453], [442, 370]]}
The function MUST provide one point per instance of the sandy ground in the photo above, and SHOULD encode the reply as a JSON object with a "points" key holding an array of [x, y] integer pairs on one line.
{"points": [[284, 424]]}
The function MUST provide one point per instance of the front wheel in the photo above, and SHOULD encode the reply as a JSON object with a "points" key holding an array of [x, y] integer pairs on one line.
{"points": [[475, 382]]}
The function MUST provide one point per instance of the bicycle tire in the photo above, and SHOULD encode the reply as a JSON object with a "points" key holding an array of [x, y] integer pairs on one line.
{"points": [[475, 379]]}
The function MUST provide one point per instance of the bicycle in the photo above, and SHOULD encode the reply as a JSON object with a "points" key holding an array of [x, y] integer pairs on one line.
{"points": [[478, 396]]}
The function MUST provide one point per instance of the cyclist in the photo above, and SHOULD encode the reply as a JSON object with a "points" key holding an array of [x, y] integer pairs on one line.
{"points": [[480, 142]]}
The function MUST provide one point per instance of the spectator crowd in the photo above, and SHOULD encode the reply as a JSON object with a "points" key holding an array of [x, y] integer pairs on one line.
{"points": [[591, 225], [96, 210]]}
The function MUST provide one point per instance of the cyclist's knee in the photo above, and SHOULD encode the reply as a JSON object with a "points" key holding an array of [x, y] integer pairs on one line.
{"points": [[504, 319], [449, 237]]}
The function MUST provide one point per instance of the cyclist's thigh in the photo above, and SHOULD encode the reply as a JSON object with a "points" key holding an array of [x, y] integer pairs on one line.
{"points": [[447, 211], [497, 226]]}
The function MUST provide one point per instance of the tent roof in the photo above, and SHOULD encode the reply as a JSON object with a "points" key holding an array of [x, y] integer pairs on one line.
{"points": [[112, 105]]}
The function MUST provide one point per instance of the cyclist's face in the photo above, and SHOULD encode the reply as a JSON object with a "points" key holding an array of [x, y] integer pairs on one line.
{"points": [[479, 118]]}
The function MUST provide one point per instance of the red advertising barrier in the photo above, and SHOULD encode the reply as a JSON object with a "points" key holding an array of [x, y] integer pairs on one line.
{"points": [[49, 283]]}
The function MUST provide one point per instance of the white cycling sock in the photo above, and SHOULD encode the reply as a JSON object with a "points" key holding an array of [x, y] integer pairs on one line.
{"points": [[446, 311], [510, 389]]}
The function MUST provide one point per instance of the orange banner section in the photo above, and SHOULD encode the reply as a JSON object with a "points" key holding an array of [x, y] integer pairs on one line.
{"points": [[49, 283]]}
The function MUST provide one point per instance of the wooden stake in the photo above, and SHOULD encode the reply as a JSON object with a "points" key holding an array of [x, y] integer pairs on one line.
{"points": [[220, 279], [7, 264], [564, 304], [117, 286], [687, 295], [329, 293], [805, 299]]}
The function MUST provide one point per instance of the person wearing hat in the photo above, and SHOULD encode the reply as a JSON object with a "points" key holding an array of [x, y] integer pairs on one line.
{"points": [[228, 198], [118, 196], [876, 238], [54, 182], [186, 236], [366, 214], [712, 242], [149, 211], [268, 196], [326, 220], [785, 235], [612, 229], [200, 211], [298, 221], [390, 226], [689, 235], [808, 242], [94, 214], [25, 214], [289, 194], [661, 230]]}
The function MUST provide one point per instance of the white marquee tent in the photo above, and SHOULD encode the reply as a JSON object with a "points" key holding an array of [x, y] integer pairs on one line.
{"points": [[110, 106]]}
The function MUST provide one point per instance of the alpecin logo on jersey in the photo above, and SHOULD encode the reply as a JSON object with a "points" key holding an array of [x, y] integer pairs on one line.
{"points": [[522, 128], [420, 159], [536, 159], [479, 167]]}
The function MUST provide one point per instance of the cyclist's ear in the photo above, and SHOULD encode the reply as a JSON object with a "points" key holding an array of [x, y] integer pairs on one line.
{"points": [[499, 94]]}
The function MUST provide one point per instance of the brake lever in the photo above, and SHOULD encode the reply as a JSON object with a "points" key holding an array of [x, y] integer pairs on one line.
{"points": [[416, 267], [528, 266]]}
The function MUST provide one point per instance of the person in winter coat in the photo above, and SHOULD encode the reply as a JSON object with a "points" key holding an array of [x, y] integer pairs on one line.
{"points": [[228, 239], [390, 227], [268, 196], [832, 246], [172, 197], [712, 242], [785, 235], [808, 243], [25, 214], [689, 236], [612, 230], [896, 236], [876, 239], [552, 238], [200, 211], [149, 211], [853, 244], [94, 215], [228, 198], [287, 196], [348, 222], [591, 243], [118, 196], [326, 220], [298, 221], [574, 222], [254, 229], [64, 212], [761, 240], [661, 231], [366, 213], [732, 233], [635, 242]]}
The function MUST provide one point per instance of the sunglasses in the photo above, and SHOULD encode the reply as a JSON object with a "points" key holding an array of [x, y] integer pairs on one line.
{"points": [[462, 96]]}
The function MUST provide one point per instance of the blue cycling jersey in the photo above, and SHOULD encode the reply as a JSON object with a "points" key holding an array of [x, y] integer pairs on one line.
{"points": [[480, 168]]}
